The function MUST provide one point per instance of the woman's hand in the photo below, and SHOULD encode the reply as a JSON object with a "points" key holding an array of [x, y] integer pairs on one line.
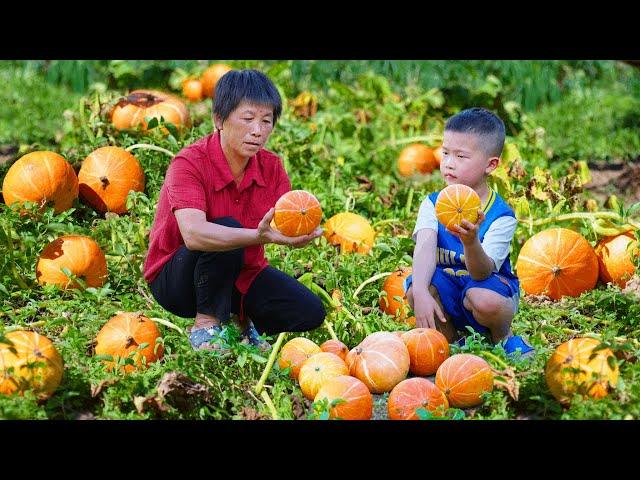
{"points": [[266, 234]]}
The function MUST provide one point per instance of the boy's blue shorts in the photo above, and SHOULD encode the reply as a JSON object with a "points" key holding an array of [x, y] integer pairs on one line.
{"points": [[452, 290]]}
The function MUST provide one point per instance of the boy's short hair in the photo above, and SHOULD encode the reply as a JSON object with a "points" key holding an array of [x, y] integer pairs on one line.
{"points": [[485, 124], [250, 85]]}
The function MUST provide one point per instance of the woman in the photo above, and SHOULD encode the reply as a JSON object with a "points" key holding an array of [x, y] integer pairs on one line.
{"points": [[206, 255]]}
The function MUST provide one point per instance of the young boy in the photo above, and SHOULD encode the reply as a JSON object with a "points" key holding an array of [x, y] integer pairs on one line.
{"points": [[463, 277]]}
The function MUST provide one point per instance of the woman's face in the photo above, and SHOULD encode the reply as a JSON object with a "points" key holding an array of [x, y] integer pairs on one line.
{"points": [[247, 129]]}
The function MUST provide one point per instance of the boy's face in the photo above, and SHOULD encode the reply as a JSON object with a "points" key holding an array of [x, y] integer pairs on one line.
{"points": [[464, 160]]}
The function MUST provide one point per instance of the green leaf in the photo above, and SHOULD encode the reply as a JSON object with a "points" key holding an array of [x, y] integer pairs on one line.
{"points": [[242, 359], [104, 357], [257, 358], [173, 130], [153, 123]]}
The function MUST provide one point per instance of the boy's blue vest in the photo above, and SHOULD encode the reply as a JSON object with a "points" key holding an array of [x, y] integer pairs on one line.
{"points": [[450, 251]]}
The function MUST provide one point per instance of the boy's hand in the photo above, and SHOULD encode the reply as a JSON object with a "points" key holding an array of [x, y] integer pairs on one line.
{"points": [[468, 232], [427, 310]]}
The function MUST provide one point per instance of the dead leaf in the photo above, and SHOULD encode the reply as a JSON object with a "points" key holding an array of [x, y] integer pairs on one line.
{"points": [[96, 389], [365, 183], [506, 380], [181, 392], [336, 295], [149, 403], [249, 413], [299, 409]]}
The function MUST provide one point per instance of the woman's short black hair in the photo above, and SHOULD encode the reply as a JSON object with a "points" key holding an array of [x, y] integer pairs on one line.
{"points": [[250, 85]]}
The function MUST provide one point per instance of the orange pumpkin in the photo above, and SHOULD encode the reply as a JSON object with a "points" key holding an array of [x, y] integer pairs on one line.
{"points": [[357, 401], [78, 253], [336, 347], [416, 158], [317, 369], [122, 337], [139, 105], [437, 154], [192, 89], [352, 232], [295, 352], [41, 177], [36, 364], [211, 76], [381, 361], [297, 212], [455, 203], [412, 394], [393, 286], [428, 348], [107, 176], [557, 262], [463, 378], [570, 370], [615, 258]]}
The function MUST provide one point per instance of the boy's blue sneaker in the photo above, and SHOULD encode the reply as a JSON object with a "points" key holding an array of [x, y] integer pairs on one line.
{"points": [[251, 335], [212, 338], [515, 343]]}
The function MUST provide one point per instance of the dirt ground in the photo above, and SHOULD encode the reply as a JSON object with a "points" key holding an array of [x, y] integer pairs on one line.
{"points": [[618, 177]]}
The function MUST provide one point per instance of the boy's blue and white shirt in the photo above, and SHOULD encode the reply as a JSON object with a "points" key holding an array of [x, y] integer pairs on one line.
{"points": [[495, 235]]}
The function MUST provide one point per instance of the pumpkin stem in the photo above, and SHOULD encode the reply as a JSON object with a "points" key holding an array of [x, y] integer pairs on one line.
{"points": [[105, 181], [130, 341]]}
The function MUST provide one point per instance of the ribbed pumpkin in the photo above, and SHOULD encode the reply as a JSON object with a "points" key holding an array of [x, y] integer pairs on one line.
{"points": [[393, 286], [352, 232], [381, 361], [107, 176], [41, 177], [455, 203], [317, 369], [437, 154], [132, 110], [615, 258], [295, 352], [336, 347], [192, 89], [570, 370], [123, 334], [357, 400], [412, 394], [416, 158], [297, 212], [464, 378], [557, 262], [428, 348], [211, 76], [36, 364], [78, 253]]}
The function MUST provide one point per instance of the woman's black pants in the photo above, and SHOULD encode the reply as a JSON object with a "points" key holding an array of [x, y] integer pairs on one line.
{"points": [[203, 282]]}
